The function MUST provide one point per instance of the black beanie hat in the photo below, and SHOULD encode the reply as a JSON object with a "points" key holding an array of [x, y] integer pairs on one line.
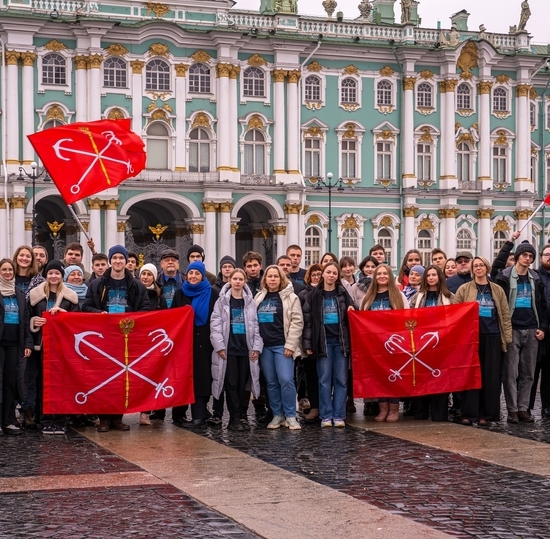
{"points": [[228, 260], [195, 249], [55, 265], [525, 247]]}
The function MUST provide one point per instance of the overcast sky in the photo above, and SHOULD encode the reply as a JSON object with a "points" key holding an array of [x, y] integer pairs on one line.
{"points": [[496, 15]]}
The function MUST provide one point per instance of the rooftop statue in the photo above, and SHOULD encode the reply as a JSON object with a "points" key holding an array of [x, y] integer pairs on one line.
{"points": [[365, 8], [524, 17], [406, 11]]}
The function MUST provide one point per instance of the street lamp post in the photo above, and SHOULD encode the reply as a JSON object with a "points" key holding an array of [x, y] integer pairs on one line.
{"points": [[330, 186], [33, 176]]}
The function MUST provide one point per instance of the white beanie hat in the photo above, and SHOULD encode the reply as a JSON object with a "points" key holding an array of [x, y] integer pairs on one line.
{"points": [[150, 267]]}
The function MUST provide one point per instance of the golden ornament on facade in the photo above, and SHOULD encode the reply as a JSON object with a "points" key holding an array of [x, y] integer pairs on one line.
{"points": [[425, 111], [279, 75], [349, 133], [160, 10], [56, 46], [28, 225], [181, 70], [522, 90], [314, 220], [94, 61], [450, 84], [55, 227], [196, 229], [350, 107], [501, 226], [167, 108], [466, 76], [442, 87], [12, 57], [315, 66], [18, 202], [427, 74], [468, 57], [255, 122], [28, 58], [426, 224], [448, 213], [484, 87], [350, 222], [386, 221], [386, 71], [350, 70], [314, 131], [502, 78], [294, 76], [292, 209], [116, 49], [465, 137], [533, 93], [80, 61], [485, 213], [157, 230], [256, 61], [502, 139], [151, 107], [55, 112], [408, 83], [426, 135], [234, 71], [137, 66], [225, 207], [121, 226], [201, 120], [209, 207], [409, 211], [522, 215], [234, 228], [223, 70], [386, 134], [111, 204], [201, 56], [280, 230], [159, 49], [158, 114], [116, 114], [94, 203]]}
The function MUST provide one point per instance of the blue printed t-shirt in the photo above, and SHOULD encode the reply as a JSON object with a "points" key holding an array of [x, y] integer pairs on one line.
{"points": [[237, 345], [488, 318], [270, 318], [10, 334], [524, 314], [51, 301], [169, 288], [431, 299], [117, 301], [298, 276], [22, 282], [381, 302], [330, 313]]}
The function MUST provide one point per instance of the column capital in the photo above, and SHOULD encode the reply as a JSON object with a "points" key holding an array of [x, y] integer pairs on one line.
{"points": [[223, 70], [95, 61], [523, 90], [408, 83], [280, 230], [409, 211], [181, 70], [28, 58], [209, 206], [85, 225], [12, 57], [225, 207], [94, 203], [484, 87], [137, 66], [121, 226], [234, 228], [3, 204], [522, 214], [279, 75], [485, 213], [448, 85], [292, 208], [448, 213], [234, 72], [28, 224], [18, 202], [196, 229], [81, 61], [111, 204], [294, 76]]}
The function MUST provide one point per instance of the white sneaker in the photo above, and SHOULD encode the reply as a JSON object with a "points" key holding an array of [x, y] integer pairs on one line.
{"points": [[292, 423], [144, 419], [276, 422], [326, 423], [339, 423]]}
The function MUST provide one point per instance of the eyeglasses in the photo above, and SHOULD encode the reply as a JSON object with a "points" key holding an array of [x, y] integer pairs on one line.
{"points": [[545, 255], [477, 266], [463, 261]]}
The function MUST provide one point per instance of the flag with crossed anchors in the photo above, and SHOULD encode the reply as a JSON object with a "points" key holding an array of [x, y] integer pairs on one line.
{"points": [[117, 363], [415, 352], [86, 158]]}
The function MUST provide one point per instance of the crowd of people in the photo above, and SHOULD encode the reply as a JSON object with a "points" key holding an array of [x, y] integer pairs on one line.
{"points": [[279, 335]]}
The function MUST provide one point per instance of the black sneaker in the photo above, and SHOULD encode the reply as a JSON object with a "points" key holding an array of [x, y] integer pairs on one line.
{"points": [[214, 421], [244, 423], [235, 424]]}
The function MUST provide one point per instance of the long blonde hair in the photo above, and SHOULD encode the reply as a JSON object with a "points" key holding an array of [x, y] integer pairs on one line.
{"points": [[396, 297]]}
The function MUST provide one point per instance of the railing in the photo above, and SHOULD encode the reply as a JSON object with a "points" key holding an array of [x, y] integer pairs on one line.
{"points": [[66, 6], [151, 175], [470, 186], [257, 179]]}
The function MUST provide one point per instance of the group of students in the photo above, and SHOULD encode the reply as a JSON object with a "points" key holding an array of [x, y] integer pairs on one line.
{"points": [[281, 334]]}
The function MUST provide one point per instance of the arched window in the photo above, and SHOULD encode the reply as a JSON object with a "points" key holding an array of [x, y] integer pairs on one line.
{"points": [[199, 150], [254, 82], [54, 69], [500, 100], [313, 88], [464, 240], [424, 95], [463, 157], [350, 243], [463, 97], [52, 123], [157, 76], [424, 241], [254, 152], [349, 90], [199, 79], [424, 162], [499, 239], [500, 164], [385, 240], [312, 253], [157, 146], [384, 93], [114, 73]]}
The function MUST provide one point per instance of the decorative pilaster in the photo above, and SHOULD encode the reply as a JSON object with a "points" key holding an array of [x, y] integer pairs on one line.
{"points": [[280, 236], [449, 230], [181, 128], [210, 234], [279, 76], [224, 117], [225, 229], [121, 230], [523, 141], [197, 231], [17, 204], [521, 215], [137, 86], [292, 211], [94, 211], [81, 87], [27, 112], [234, 118], [448, 175], [111, 236], [408, 227], [293, 123], [94, 86], [484, 232], [12, 108], [484, 154], [409, 177]]}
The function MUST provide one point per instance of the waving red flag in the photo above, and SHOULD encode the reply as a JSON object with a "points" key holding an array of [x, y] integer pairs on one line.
{"points": [[88, 157], [117, 363], [414, 352]]}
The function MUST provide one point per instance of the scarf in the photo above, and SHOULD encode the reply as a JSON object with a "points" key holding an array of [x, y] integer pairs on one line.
{"points": [[80, 289], [7, 288], [200, 294]]}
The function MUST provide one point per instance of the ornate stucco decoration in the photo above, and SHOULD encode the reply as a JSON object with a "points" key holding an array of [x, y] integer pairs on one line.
{"points": [[160, 10], [255, 122], [314, 105], [425, 111], [350, 107], [201, 120], [350, 222], [466, 137], [137, 66], [408, 83], [116, 49], [427, 74], [256, 61], [522, 90], [409, 211], [315, 66], [201, 56], [115, 114], [485, 213], [159, 114], [55, 46], [386, 134], [502, 78], [181, 70], [522, 215], [502, 139], [386, 71], [55, 112], [314, 131], [426, 135], [533, 93], [501, 226], [159, 49], [484, 87], [279, 75], [349, 133], [426, 224], [386, 222], [468, 57], [314, 220], [350, 70]]}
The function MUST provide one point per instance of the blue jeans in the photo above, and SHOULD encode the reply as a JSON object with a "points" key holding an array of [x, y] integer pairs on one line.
{"points": [[333, 373], [279, 376]]}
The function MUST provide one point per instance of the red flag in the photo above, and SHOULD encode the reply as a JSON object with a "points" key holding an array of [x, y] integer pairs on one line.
{"points": [[414, 352], [547, 198], [117, 363], [88, 157]]}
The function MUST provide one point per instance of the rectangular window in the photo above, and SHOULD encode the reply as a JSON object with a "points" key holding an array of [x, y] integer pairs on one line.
{"points": [[499, 165], [349, 158], [313, 158], [383, 161], [424, 162]]}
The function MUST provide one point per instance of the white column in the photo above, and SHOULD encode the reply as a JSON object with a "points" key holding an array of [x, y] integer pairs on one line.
{"points": [[210, 234], [94, 229], [94, 87], [121, 229], [86, 252], [448, 146], [181, 127], [293, 123], [28, 231], [27, 112], [111, 231], [484, 154], [81, 87], [523, 139], [224, 117], [484, 243], [449, 230], [521, 215], [407, 147], [408, 227], [292, 211], [226, 239], [257, 239], [279, 121], [233, 245], [18, 220], [12, 111], [234, 119], [4, 229], [280, 236], [137, 92]]}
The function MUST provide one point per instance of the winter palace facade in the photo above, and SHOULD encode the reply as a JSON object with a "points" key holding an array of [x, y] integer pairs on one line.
{"points": [[434, 137]]}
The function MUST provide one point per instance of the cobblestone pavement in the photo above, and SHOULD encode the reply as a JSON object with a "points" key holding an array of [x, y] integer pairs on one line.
{"points": [[461, 496], [145, 511]]}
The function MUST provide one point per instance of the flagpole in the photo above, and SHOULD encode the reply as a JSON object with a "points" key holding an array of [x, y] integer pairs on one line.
{"points": [[78, 221], [533, 215]]}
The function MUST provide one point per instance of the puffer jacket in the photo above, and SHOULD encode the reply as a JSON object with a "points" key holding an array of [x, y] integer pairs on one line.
{"points": [[314, 336], [293, 320], [220, 326]]}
